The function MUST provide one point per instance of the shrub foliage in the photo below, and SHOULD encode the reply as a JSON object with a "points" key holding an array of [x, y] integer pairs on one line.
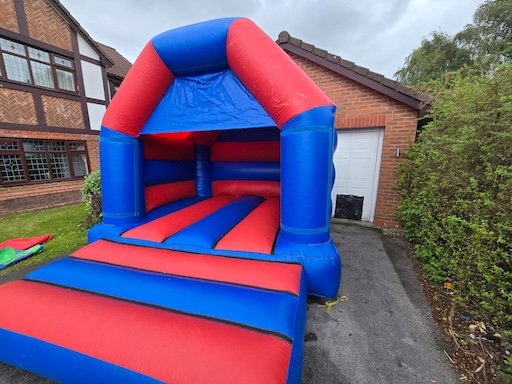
{"points": [[91, 196], [457, 192]]}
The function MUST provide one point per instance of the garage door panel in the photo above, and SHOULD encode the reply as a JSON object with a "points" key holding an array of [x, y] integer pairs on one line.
{"points": [[357, 162]]}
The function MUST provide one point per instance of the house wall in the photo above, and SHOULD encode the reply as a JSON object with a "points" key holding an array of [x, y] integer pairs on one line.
{"points": [[20, 198], [46, 25], [362, 107], [30, 112], [8, 18], [97, 92]]}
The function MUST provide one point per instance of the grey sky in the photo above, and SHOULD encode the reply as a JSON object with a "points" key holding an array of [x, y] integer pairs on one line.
{"points": [[377, 34]]}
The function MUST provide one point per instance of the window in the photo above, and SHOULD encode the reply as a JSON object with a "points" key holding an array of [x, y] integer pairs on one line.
{"points": [[114, 86], [30, 65], [23, 161]]}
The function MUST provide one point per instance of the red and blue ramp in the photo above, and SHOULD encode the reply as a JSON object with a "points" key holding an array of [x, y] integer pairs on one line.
{"points": [[121, 313]]}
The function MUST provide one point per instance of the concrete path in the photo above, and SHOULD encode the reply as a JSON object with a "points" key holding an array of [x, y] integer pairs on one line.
{"points": [[382, 334]]}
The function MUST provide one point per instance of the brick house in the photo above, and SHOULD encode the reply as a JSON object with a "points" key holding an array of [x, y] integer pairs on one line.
{"points": [[376, 120], [55, 85]]}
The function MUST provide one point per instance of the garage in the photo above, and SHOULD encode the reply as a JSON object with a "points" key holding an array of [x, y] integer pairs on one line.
{"points": [[357, 163], [368, 104]]}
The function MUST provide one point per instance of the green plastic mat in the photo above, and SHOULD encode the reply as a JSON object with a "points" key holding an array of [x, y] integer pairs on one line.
{"points": [[8, 255]]}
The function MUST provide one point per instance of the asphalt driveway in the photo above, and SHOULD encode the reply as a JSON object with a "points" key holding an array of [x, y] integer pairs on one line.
{"points": [[382, 334]]}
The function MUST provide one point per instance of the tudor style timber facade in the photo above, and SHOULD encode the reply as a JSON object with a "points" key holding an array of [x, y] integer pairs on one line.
{"points": [[55, 85]]}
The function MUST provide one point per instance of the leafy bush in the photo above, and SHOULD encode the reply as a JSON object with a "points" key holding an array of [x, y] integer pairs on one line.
{"points": [[506, 374], [457, 192], [91, 196]]}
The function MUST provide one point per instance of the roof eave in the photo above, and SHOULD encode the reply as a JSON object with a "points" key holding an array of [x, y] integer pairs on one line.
{"points": [[115, 77], [355, 76]]}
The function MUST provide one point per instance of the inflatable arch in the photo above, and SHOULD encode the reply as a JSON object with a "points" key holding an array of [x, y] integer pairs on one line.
{"points": [[216, 161], [218, 110]]}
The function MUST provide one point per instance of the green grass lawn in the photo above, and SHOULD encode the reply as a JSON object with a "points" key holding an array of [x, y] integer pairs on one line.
{"points": [[63, 223]]}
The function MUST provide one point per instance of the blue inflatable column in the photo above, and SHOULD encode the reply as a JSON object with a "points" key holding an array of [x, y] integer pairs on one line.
{"points": [[333, 171], [203, 170], [122, 185], [306, 176]]}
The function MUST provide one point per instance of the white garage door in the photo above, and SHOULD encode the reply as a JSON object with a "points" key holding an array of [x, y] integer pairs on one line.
{"points": [[357, 163]]}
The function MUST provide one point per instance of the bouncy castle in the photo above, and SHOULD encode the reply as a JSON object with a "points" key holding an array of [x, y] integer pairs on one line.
{"points": [[216, 166]]}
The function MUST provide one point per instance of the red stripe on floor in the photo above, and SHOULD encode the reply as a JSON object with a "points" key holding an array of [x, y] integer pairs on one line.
{"points": [[256, 232], [160, 229], [262, 274], [164, 345]]}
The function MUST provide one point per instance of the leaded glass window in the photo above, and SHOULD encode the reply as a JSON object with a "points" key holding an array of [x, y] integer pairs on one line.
{"points": [[16, 68], [43, 74], [30, 65], [60, 166], [26, 161], [11, 168], [37, 166], [66, 80]]}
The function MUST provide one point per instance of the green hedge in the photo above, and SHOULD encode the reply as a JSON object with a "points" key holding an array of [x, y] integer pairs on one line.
{"points": [[91, 196], [457, 192]]}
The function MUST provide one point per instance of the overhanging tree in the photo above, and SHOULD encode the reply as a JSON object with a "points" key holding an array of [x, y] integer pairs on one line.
{"points": [[481, 46], [489, 38], [436, 55]]}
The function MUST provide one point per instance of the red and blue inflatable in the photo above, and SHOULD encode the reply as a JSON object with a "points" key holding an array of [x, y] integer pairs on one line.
{"points": [[216, 164]]}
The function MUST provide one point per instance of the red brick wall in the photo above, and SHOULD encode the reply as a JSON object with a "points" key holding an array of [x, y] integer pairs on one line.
{"points": [[45, 24], [44, 195], [8, 19], [362, 107], [40, 196]]}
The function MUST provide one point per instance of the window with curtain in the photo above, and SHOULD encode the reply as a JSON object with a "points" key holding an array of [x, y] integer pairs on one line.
{"points": [[29, 65], [66, 80], [16, 68], [25, 161]]}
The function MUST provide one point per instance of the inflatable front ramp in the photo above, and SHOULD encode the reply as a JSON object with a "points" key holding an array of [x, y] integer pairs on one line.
{"points": [[123, 313]]}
